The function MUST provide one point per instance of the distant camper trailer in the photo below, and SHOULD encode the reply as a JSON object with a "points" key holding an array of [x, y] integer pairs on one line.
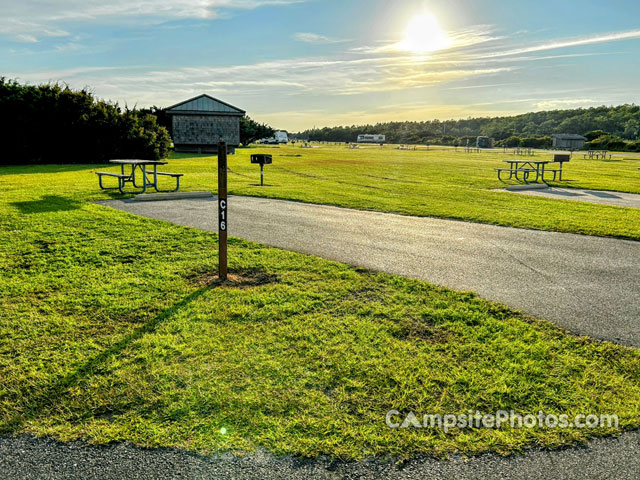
{"points": [[371, 138], [278, 138], [281, 137]]}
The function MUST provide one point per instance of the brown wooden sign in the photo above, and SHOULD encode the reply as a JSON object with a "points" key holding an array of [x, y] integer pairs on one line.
{"points": [[223, 220]]}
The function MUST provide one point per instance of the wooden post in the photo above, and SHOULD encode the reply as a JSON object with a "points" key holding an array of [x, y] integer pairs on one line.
{"points": [[223, 222]]}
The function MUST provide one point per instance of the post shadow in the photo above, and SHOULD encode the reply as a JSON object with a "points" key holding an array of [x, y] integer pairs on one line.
{"points": [[57, 388]]}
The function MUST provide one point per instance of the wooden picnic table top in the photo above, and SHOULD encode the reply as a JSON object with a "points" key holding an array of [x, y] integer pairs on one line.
{"points": [[537, 162], [137, 161]]}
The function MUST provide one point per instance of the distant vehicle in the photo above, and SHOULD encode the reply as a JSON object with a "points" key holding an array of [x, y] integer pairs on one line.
{"points": [[371, 138], [278, 137], [281, 137]]}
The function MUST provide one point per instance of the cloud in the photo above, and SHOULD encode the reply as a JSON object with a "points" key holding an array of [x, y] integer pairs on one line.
{"points": [[31, 20], [26, 30], [557, 104], [473, 87], [570, 42], [308, 77], [458, 39], [316, 38]]}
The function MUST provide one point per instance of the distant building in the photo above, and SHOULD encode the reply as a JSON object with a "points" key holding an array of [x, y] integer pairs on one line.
{"points": [[200, 123], [568, 141], [371, 138], [484, 142]]}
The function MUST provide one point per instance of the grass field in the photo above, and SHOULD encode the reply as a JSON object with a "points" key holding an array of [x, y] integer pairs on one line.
{"points": [[441, 183], [111, 330]]}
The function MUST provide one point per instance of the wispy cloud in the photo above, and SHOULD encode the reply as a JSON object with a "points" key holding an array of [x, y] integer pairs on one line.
{"points": [[491, 85], [31, 20], [569, 42], [564, 103], [316, 38], [458, 39]]}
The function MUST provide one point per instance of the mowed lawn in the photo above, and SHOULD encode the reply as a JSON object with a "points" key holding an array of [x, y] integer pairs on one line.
{"points": [[440, 182], [111, 330]]}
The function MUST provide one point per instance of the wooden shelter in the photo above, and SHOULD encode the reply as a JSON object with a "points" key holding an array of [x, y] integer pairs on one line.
{"points": [[568, 141], [200, 123]]}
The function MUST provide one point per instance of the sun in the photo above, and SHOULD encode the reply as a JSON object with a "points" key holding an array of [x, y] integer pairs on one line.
{"points": [[423, 35]]}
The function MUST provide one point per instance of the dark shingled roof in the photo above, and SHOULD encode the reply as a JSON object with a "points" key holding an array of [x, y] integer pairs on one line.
{"points": [[205, 104], [569, 136]]}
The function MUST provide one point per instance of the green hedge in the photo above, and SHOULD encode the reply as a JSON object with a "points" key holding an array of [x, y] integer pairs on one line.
{"points": [[53, 124], [611, 142]]}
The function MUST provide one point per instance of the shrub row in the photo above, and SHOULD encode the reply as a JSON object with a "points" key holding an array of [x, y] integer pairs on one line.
{"points": [[51, 123]]}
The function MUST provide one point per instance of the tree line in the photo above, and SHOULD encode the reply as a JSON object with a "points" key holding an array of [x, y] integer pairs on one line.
{"points": [[51, 123], [620, 126]]}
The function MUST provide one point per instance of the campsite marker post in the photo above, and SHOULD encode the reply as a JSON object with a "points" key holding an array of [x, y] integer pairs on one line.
{"points": [[223, 222]]}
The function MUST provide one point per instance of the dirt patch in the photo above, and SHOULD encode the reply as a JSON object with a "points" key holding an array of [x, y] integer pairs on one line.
{"points": [[412, 329], [236, 279]]}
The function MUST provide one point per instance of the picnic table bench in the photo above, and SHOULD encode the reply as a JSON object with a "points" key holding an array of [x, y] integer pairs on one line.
{"points": [[148, 179]]}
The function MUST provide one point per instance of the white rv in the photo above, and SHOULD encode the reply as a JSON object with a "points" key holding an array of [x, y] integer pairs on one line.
{"points": [[281, 137], [371, 138]]}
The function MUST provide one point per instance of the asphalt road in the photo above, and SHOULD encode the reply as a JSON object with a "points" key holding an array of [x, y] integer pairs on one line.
{"points": [[29, 458], [588, 285]]}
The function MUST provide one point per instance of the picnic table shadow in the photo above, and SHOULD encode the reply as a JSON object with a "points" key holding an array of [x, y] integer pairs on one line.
{"points": [[584, 193], [601, 194], [48, 203]]}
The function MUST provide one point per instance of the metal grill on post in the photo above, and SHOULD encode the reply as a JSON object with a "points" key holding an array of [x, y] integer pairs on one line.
{"points": [[262, 160], [223, 221]]}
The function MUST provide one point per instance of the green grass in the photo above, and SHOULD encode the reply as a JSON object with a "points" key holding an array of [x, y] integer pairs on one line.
{"points": [[110, 332], [440, 183]]}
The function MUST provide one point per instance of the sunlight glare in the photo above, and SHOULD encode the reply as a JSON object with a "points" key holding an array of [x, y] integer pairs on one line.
{"points": [[423, 35]]}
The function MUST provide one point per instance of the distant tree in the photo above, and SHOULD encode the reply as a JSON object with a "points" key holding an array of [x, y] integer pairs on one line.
{"points": [[513, 141], [250, 131], [606, 142], [164, 119], [536, 142], [592, 135]]}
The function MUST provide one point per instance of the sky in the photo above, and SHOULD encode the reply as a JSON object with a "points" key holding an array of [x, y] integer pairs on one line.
{"points": [[296, 64]]}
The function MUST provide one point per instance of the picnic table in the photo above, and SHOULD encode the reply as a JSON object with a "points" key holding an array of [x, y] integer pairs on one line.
{"points": [[597, 154], [138, 176], [524, 168]]}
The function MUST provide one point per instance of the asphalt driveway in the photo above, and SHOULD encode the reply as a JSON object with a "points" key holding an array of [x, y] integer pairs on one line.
{"points": [[589, 285]]}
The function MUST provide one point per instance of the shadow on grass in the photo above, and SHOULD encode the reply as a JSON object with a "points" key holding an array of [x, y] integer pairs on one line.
{"points": [[48, 203], [37, 169], [49, 394]]}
